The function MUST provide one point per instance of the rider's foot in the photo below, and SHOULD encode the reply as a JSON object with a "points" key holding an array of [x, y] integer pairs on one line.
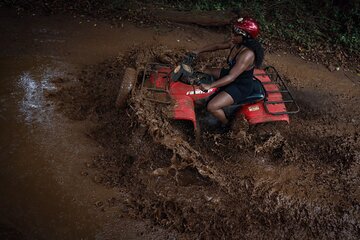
{"points": [[224, 128]]}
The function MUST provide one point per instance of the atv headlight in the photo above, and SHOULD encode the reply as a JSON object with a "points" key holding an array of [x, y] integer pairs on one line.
{"points": [[177, 69], [187, 68]]}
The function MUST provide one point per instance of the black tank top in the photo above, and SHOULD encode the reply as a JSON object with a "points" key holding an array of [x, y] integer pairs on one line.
{"points": [[245, 80]]}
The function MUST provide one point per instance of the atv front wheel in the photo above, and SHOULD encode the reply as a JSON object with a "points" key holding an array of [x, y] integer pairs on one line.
{"points": [[127, 84]]}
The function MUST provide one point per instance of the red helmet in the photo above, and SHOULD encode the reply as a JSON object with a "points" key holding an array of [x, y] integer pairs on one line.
{"points": [[247, 27]]}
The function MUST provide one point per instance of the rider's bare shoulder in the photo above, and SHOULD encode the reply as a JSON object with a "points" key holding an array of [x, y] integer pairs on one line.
{"points": [[246, 53]]}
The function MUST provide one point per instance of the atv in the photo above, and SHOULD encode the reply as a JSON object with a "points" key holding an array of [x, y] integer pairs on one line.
{"points": [[178, 86]]}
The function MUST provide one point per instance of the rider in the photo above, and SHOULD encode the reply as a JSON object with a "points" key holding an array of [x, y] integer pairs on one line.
{"points": [[236, 81]]}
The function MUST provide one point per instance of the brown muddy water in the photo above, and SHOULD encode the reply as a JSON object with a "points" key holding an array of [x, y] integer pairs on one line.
{"points": [[44, 194], [75, 167]]}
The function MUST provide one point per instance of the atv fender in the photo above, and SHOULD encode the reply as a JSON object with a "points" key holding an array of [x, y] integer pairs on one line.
{"points": [[256, 113], [184, 109]]}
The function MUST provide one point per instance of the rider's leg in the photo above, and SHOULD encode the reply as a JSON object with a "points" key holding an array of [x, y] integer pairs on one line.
{"points": [[216, 104], [215, 72]]}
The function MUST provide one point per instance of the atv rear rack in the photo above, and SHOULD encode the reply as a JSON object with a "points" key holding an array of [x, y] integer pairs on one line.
{"points": [[286, 96], [157, 90]]}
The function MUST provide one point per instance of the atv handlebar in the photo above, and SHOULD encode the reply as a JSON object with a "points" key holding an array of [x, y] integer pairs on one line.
{"points": [[197, 82], [184, 69]]}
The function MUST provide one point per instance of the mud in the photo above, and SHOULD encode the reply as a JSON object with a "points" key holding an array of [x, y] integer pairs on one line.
{"points": [[299, 181]]}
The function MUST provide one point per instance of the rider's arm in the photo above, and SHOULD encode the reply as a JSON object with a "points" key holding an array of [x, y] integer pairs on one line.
{"points": [[213, 47], [243, 61]]}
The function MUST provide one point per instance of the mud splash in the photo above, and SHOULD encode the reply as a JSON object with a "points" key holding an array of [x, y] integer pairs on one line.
{"points": [[300, 181]]}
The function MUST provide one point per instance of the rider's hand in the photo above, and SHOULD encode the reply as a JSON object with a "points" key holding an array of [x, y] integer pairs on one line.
{"points": [[204, 87]]}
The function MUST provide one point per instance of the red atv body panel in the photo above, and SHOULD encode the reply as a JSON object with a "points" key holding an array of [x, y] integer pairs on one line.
{"points": [[184, 96], [256, 113]]}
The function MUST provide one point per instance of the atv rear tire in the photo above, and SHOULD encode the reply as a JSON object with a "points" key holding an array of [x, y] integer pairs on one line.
{"points": [[127, 84], [269, 129]]}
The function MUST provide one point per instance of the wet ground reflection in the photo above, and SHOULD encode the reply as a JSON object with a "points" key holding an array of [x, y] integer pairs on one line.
{"points": [[33, 156], [33, 104]]}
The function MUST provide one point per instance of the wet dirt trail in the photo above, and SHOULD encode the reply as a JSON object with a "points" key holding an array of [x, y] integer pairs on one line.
{"points": [[73, 166], [44, 193]]}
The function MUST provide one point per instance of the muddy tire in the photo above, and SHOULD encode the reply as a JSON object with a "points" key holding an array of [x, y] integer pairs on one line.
{"points": [[127, 84], [270, 128]]}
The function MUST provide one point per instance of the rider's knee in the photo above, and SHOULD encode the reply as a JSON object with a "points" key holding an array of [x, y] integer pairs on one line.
{"points": [[211, 107]]}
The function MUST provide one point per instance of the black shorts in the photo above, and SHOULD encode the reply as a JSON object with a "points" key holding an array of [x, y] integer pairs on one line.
{"points": [[236, 92]]}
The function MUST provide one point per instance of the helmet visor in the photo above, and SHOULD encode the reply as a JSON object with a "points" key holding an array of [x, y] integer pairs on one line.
{"points": [[239, 31]]}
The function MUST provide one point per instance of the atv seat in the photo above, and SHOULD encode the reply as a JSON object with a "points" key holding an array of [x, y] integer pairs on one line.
{"points": [[257, 95]]}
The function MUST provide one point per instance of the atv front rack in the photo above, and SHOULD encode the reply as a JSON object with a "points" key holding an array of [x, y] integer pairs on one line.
{"points": [[286, 97], [156, 81]]}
